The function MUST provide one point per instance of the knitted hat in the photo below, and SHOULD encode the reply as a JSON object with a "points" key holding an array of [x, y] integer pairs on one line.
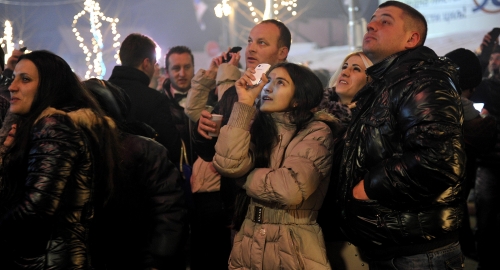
{"points": [[469, 67]]}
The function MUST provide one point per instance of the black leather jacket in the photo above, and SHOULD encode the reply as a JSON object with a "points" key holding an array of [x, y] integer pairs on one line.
{"points": [[48, 226], [405, 140]]}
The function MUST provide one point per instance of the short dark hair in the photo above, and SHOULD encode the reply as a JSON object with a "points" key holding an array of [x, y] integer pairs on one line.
{"points": [[417, 19], [178, 50], [135, 48], [285, 38]]}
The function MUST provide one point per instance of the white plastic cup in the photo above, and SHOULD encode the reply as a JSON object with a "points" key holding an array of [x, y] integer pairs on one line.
{"points": [[217, 118]]}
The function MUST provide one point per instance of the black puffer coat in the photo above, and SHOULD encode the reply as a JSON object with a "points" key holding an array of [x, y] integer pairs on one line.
{"points": [[405, 140], [46, 226]]}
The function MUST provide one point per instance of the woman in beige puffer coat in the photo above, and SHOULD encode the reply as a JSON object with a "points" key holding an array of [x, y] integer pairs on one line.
{"points": [[286, 155]]}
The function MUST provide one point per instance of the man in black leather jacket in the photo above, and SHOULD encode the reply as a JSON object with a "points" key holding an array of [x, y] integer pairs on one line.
{"points": [[400, 183]]}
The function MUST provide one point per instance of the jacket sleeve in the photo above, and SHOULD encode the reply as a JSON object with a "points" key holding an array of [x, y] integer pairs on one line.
{"points": [[227, 75], [431, 160], [306, 164], [305, 167], [167, 204], [233, 157], [55, 147], [201, 85]]}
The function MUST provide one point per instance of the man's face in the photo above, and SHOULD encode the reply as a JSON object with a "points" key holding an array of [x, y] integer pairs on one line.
{"points": [[385, 34], [494, 64], [180, 71], [263, 46]]}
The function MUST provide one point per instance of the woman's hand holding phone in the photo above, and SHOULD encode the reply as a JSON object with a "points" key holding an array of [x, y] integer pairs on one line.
{"points": [[251, 84]]}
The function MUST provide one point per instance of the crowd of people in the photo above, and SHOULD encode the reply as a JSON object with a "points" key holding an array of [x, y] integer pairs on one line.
{"points": [[371, 171]]}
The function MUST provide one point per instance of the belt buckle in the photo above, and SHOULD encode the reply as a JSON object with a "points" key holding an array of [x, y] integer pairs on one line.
{"points": [[257, 215]]}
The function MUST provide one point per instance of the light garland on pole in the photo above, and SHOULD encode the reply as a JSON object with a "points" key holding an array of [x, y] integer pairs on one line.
{"points": [[7, 41], [94, 57], [272, 9], [223, 9]]}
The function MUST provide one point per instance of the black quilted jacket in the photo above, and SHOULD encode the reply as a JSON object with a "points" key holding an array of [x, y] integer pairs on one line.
{"points": [[405, 140], [47, 226]]}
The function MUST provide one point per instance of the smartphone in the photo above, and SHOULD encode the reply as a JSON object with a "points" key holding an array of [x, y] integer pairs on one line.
{"points": [[494, 33], [478, 106], [232, 50], [259, 70]]}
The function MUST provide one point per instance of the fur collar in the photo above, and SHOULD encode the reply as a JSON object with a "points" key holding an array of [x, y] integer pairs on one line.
{"points": [[82, 117]]}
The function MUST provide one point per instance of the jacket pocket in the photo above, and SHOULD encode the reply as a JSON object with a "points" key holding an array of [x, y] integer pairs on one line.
{"points": [[370, 220]]}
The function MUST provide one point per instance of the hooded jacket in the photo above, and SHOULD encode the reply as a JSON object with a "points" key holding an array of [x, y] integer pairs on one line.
{"points": [[405, 140]]}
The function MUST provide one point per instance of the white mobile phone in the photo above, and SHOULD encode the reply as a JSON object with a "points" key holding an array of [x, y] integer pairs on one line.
{"points": [[259, 70], [478, 106]]}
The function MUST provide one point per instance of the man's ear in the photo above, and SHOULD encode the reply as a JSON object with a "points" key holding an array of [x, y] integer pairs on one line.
{"points": [[413, 40], [282, 53], [144, 64]]}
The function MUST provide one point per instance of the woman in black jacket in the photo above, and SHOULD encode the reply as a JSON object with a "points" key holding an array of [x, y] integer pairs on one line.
{"points": [[58, 170]]}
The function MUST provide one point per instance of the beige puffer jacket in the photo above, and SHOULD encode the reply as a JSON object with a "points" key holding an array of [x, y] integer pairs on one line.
{"points": [[280, 229]]}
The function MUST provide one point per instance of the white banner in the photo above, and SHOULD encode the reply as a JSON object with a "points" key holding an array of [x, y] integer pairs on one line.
{"points": [[446, 17]]}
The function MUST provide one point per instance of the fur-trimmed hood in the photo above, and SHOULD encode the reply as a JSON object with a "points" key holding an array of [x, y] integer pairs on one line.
{"points": [[84, 118]]}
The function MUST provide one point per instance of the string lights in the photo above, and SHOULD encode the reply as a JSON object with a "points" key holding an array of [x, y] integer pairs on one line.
{"points": [[7, 41], [223, 9], [94, 56], [272, 10]]}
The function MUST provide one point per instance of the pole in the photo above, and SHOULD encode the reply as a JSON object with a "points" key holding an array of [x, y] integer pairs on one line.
{"points": [[350, 35]]}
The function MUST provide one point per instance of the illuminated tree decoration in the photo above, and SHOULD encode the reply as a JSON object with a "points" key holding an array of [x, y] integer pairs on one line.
{"points": [[6, 41], [223, 9], [94, 57], [271, 11]]}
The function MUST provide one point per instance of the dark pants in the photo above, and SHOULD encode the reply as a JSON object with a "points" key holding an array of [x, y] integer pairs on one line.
{"points": [[448, 257], [210, 233], [487, 201]]}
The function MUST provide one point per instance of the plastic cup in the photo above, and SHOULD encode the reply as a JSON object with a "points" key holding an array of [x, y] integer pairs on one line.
{"points": [[217, 118]]}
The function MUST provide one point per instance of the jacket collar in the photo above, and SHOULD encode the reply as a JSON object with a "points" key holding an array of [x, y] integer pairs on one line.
{"points": [[129, 74], [377, 71]]}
